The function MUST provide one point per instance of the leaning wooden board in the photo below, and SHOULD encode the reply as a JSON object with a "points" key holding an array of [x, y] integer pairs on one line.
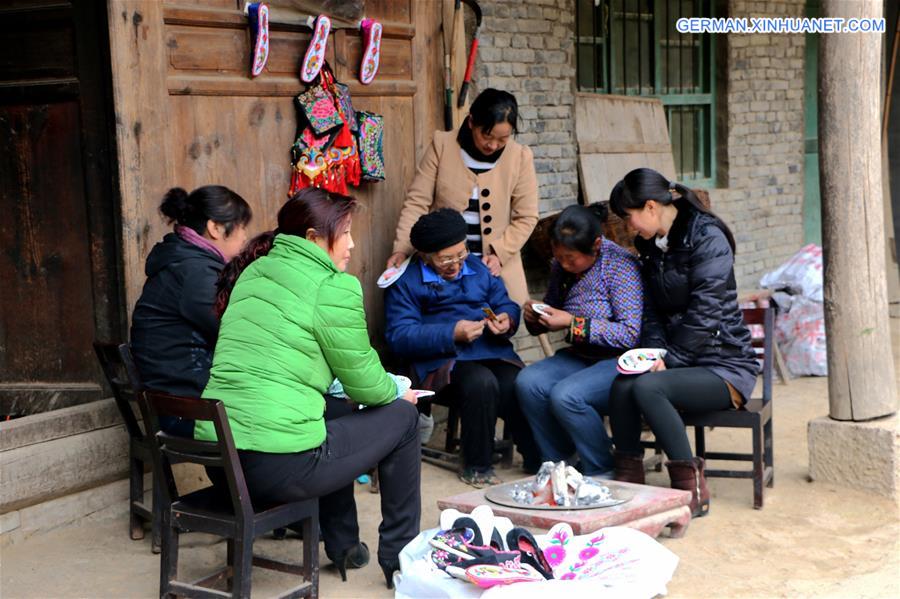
{"points": [[616, 134]]}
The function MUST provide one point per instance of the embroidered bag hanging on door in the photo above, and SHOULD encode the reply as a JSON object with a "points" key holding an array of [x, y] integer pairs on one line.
{"points": [[325, 153], [370, 138]]}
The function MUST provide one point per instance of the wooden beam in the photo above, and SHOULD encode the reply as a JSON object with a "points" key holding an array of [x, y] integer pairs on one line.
{"points": [[43, 471], [861, 382], [271, 86], [285, 21], [623, 147], [57, 424]]}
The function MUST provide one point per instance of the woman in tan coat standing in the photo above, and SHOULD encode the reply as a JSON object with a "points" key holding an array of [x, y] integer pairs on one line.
{"points": [[483, 173]]}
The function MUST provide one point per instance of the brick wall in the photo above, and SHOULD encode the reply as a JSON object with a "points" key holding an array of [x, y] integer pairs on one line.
{"points": [[527, 48], [764, 131]]}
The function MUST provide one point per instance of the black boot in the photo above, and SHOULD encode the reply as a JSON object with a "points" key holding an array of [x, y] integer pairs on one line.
{"points": [[629, 467], [689, 475]]}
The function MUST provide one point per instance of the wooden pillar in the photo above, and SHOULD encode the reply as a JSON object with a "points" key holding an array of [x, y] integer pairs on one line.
{"points": [[861, 383]]}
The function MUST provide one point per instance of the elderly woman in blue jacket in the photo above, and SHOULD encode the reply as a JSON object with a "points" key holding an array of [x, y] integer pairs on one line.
{"points": [[453, 321]]}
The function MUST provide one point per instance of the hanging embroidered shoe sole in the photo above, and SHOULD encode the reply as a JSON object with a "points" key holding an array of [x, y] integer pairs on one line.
{"points": [[260, 24], [315, 54], [371, 55]]}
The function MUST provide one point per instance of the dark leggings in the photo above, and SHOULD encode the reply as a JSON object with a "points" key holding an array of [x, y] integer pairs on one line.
{"points": [[385, 436], [484, 390], [658, 397]]}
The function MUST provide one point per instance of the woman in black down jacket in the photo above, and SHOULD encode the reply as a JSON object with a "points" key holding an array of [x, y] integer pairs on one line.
{"points": [[691, 311], [174, 326]]}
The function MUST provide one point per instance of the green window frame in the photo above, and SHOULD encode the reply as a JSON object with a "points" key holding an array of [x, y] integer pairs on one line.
{"points": [[631, 48]]}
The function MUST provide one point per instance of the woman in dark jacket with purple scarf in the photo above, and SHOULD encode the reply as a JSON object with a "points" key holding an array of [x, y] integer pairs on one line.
{"points": [[174, 326], [691, 311]]}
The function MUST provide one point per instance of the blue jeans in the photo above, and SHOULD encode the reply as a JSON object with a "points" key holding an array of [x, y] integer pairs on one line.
{"points": [[563, 398]]}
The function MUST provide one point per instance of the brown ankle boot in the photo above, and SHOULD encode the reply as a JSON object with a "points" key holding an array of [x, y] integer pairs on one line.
{"points": [[629, 467], [689, 475]]}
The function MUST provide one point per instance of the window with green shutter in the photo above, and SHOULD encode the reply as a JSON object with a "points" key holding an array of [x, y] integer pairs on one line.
{"points": [[631, 47]]}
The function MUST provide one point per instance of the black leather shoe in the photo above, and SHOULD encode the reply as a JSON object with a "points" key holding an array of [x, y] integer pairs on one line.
{"points": [[353, 558], [389, 567]]}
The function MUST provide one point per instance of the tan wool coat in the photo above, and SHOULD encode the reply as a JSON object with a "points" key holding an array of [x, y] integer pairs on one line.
{"points": [[509, 202]]}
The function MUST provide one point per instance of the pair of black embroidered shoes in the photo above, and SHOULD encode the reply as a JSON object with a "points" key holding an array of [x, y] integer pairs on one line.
{"points": [[517, 539]]}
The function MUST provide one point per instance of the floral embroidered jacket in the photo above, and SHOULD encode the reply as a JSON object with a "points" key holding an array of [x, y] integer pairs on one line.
{"points": [[606, 301]]}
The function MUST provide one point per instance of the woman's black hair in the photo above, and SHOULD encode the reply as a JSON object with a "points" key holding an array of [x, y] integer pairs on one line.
{"points": [[578, 227], [644, 184], [492, 107], [210, 202]]}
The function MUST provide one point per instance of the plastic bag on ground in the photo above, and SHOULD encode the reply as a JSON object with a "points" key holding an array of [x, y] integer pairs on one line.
{"points": [[800, 275], [800, 324], [612, 562], [800, 333]]}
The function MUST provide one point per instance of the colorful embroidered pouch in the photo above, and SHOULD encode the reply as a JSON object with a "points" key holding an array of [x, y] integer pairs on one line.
{"points": [[370, 138]]}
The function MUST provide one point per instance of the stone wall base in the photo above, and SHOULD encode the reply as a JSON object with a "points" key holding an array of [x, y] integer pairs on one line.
{"points": [[101, 502], [863, 455]]}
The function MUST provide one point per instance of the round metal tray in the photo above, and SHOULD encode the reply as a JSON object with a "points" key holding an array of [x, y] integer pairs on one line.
{"points": [[500, 495]]}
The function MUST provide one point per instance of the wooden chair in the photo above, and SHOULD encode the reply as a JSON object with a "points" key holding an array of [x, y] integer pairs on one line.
{"points": [[755, 415], [119, 369], [212, 511]]}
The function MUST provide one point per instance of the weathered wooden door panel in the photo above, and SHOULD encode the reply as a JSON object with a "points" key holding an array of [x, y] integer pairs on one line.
{"points": [[58, 275], [240, 142], [45, 266]]}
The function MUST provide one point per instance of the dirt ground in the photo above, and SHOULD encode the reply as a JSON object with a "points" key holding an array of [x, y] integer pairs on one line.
{"points": [[810, 540]]}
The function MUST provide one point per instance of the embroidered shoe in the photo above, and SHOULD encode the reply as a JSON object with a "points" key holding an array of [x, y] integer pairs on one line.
{"points": [[315, 53], [259, 28], [522, 540], [368, 67]]}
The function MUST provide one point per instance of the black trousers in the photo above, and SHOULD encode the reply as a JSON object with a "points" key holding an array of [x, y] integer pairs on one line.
{"points": [[658, 397], [385, 436], [484, 390]]}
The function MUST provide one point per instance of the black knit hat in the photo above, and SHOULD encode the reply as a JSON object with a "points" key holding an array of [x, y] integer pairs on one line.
{"points": [[438, 230]]}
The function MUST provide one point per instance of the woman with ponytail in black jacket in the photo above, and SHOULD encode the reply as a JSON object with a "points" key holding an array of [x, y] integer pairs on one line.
{"points": [[174, 326], [691, 311]]}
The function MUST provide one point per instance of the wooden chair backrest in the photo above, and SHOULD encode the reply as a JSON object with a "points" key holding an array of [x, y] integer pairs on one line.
{"points": [[172, 449], [766, 318], [125, 382]]}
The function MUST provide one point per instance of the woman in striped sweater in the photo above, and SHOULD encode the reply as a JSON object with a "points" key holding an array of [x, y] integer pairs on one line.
{"points": [[480, 171]]}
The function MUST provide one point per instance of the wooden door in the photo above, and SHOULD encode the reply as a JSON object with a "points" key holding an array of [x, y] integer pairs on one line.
{"points": [[180, 71], [58, 281]]}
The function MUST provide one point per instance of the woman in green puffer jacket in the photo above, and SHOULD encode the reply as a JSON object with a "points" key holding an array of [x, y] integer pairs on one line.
{"points": [[292, 322]]}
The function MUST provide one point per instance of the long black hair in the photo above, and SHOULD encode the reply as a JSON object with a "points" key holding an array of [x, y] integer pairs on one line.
{"points": [[644, 184], [214, 203], [492, 107], [578, 227]]}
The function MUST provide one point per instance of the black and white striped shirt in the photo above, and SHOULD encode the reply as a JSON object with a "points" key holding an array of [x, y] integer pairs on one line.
{"points": [[472, 214]]}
